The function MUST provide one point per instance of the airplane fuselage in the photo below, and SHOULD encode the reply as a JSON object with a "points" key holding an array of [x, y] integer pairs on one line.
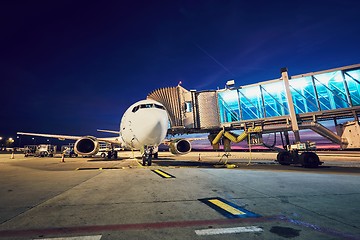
{"points": [[144, 123]]}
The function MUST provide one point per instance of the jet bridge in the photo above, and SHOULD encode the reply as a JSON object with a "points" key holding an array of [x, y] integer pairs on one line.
{"points": [[288, 103]]}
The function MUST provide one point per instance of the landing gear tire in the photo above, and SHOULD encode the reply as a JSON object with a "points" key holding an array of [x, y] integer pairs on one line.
{"points": [[146, 159], [309, 160], [143, 161], [284, 158]]}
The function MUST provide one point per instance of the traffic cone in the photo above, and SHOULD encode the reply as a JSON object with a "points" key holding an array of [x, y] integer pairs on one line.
{"points": [[12, 155]]}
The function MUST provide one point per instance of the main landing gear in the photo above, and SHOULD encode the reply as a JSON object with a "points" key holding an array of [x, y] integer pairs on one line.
{"points": [[112, 154], [306, 159]]}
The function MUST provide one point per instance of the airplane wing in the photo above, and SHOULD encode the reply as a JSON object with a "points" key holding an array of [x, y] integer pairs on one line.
{"points": [[60, 137], [113, 140], [109, 131]]}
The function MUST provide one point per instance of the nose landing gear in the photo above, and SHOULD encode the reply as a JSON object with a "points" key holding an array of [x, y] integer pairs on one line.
{"points": [[147, 156]]}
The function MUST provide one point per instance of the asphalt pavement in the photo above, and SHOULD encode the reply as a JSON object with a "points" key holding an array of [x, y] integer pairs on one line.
{"points": [[193, 196]]}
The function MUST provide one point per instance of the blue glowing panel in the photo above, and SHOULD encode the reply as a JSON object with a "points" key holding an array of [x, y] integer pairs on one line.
{"points": [[303, 93], [251, 103], [352, 79], [275, 102], [331, 90], [228, 106]]}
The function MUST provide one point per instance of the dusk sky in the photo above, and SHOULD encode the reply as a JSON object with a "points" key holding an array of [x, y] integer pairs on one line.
{"points": [[71, 67]]}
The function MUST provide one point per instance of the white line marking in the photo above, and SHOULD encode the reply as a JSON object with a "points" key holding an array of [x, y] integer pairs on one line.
{"points": [[95, 237], [217, 231]]}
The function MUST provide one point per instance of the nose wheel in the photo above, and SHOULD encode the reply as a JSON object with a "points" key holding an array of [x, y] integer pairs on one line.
{"points": [[147, 156]]}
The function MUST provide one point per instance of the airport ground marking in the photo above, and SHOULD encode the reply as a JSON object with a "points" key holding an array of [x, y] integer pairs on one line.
{"points": [[97, 229], [163, 174], [228, 209], [90, 168], [95, 237], [127, 227], [218, 231]]}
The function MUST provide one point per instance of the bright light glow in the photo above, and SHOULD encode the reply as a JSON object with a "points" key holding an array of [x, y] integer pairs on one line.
{"points": [[0, 138], [326, 77], [355, 74], [299, 83], [251, 92], [274, 88], [11, 140], [338, 77], [229, 96]]}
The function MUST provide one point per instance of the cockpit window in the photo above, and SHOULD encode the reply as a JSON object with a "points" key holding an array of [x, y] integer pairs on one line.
{"points": [[159, 106], [148, 105], [135, 109]]}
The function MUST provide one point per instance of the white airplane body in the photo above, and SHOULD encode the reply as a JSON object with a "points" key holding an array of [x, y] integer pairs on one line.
{"points": [[144, 123], [143, 127]]}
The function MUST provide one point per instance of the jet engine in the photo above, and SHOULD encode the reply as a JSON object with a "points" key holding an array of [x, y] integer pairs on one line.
{"points": [[180, 146], [87, 146]]}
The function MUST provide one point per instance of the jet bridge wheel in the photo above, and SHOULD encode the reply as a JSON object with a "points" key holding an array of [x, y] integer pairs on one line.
{"points": [[284, 158], [309, 160]]}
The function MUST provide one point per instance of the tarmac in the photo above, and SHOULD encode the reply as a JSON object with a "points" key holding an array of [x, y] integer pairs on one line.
{"points": [[193, 196]]}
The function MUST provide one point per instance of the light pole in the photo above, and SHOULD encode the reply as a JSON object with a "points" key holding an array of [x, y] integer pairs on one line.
{"points": [[10, 141], [19, 139], [1, 145]]}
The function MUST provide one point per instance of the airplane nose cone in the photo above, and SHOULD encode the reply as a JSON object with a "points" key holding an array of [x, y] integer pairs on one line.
{"points": [[152, 130]]}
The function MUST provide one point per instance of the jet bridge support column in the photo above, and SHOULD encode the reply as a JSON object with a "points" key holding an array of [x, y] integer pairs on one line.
{"points": [[294, 123]]}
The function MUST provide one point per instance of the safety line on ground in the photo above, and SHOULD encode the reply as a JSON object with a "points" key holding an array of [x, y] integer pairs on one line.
{"points": [[58, 231], [89, 168], [218, 231], [96, 237], [32, 232], [163, 174], [228, 209]]}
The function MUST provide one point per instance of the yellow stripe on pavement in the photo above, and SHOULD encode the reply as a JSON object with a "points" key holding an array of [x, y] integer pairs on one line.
{"points": [[226, 207], [163, 174]]}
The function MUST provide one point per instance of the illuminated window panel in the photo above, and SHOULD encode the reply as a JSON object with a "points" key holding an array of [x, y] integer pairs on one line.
{"points": [[274, 97], [352, 79], [303, 93], [228, 106], [251, 103], [331, 90]]}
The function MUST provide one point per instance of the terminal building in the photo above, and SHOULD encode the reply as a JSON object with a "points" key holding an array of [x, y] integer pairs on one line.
{"points": [[288, 103]]}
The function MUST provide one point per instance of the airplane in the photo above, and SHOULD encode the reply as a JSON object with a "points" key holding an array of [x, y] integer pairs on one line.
{"points": [[143, 127]]}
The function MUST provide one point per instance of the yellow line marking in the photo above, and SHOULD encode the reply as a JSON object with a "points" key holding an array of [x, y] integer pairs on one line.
{"points": [[162, 173], [226, 207], [138, 163]]}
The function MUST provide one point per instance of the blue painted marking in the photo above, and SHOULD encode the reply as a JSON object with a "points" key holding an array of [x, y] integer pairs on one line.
{"points": [[248, 214]]}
